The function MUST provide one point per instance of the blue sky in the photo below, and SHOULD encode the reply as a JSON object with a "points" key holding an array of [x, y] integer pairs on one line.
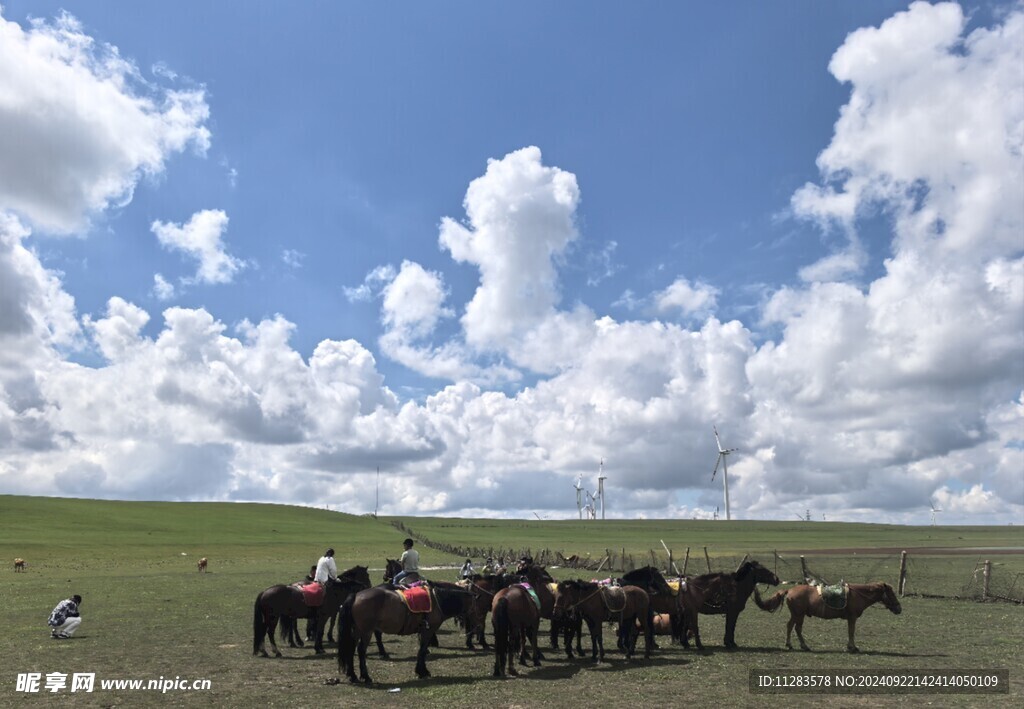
{"points": [[677, 233]]}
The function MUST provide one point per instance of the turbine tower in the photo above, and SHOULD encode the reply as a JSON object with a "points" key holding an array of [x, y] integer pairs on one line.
{"points": [[931, 503], [579, 495], [722, 460], [600, 485]]}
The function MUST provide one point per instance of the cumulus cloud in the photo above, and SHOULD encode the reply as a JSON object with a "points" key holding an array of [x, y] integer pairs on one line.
{"points": [[697, 299], [201, 238], [79, 127], [861, 400]]}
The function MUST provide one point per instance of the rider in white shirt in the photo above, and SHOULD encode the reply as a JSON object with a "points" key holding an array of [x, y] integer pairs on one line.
{"points": [[326, 568], [410, 561]]}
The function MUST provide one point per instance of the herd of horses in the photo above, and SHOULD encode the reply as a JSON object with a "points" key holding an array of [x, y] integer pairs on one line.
{"points": [[642, 602]]}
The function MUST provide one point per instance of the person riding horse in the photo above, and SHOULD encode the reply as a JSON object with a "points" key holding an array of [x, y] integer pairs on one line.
{"points": [[410, 561]]}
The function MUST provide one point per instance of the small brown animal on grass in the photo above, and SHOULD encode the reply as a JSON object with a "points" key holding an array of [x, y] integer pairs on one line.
{"points": [[19, 565], [201, 565]]}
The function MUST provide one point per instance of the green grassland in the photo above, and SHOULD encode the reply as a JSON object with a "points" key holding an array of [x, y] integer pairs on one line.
{"points": [[148, 614]]}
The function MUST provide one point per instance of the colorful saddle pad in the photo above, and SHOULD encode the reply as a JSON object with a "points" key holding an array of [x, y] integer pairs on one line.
{"points": [[416, 598], [533, 594], [313, 594], [676, 585]]}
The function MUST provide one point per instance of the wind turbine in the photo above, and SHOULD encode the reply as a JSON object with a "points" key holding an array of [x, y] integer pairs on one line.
{"points": [[600, 485], [579, 495], [931, 503], [722, 459]]}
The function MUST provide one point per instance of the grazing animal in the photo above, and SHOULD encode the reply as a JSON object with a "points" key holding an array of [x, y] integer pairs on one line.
{"points": [[805, 600], [286, 603], [732, 599], [201, 565], [19, 565], [383, 609], [597, 604]]}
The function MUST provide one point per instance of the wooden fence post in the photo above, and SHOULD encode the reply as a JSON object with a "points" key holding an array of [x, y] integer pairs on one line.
{"points": [[803, 567], [903, 573], [776, 555], [707, 559], [686, 560], [988, 578]]}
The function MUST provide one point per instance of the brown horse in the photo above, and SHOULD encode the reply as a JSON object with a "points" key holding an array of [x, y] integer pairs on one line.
{"points": [[383, 609], [732, 599], [19, 565], [804, 600], [201, 565], [285, 604], [597, 604], [692, 596], [483, 588], [515, 619]]}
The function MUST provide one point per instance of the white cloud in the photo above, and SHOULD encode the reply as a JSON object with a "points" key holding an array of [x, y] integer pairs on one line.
{"points": [[690, 299], [201, 238], [79, 127], [866, 400], [162, 289], [293, 258]]}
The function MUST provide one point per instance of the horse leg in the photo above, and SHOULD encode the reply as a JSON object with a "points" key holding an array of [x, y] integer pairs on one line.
{"points": [[330, 629], [851, 624], [421, 657], [381, 652], [364, 674], [800, 633], [599, 640], [271, 629], [730, 630], [514, 639], [695, 622], [537, 656]]}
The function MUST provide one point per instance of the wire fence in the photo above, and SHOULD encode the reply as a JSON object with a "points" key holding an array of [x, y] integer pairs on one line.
{"points": [[966, 575]]}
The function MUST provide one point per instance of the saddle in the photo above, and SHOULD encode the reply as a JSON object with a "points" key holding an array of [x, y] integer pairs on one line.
{"points": [[833, 596], [533, 594], [614, 595], [312, 593], [417, 598]]}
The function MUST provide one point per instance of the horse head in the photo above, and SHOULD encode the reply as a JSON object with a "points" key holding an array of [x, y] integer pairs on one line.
{"points": [[889, 599], [761, 574], [391, 567], [357, 574]]}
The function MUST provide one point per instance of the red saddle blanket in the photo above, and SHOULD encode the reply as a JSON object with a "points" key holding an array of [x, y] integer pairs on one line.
{"points": [[418, 598], [313, 594]]}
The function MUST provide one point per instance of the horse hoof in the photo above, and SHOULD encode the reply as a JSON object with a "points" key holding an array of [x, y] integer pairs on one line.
{"points": [[853, 649], [278, 654]]}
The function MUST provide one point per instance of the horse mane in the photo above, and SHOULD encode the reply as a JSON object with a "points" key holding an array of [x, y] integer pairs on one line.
{"points": [[359, 574], [578, 585], [651, 578], [744, 570]]}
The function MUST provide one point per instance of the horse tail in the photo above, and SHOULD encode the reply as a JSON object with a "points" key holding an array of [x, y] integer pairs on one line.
{"points": [[773, 603], [346, 637], [259, 628], [285, 628], [502, 626]]}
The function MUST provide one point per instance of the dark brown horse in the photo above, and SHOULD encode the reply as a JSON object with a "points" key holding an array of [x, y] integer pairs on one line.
{"points": [[383, 609], [804, 600], [515, 619], [286, 602], [692, 596], [483, 588], [732, 599], [597, 604]]}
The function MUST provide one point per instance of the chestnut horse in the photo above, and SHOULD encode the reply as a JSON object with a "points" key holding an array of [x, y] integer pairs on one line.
{"points": [[383, 609], [736, 589], [515, 619], [804, 600], [597, 604], [201, 565], [285, 603]]}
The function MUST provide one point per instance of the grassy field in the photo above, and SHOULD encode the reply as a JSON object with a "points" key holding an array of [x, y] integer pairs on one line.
{"points": [[148, 614]]}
